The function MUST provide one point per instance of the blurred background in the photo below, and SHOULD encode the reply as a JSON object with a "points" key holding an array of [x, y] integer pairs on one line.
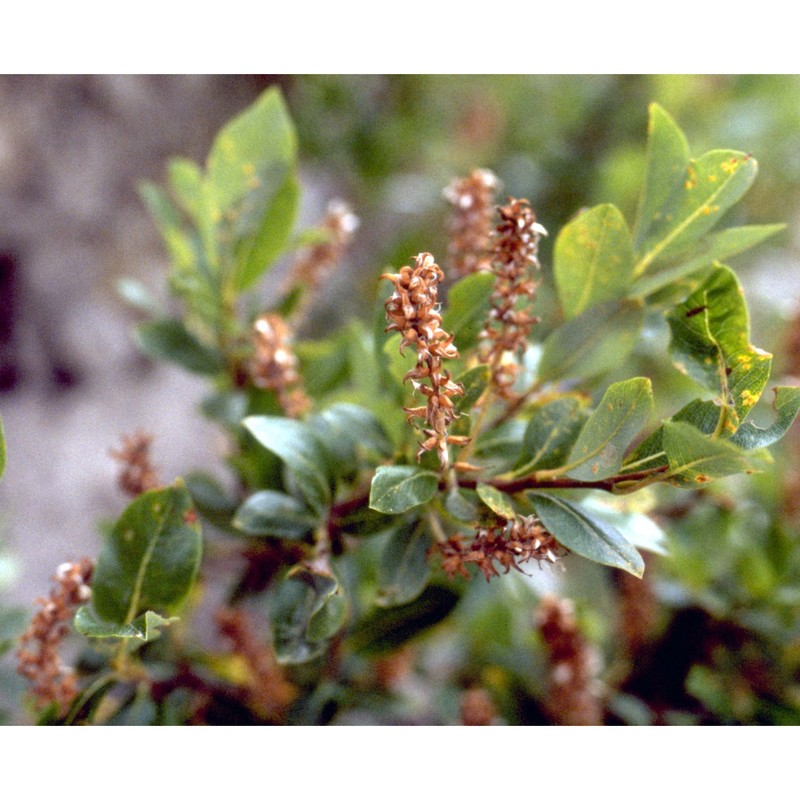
{"points": [[74, 148]]}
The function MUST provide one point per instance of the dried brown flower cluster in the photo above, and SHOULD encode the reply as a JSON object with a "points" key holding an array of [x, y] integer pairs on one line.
{"points": [[510, 544], [470, 224], [274, 365], [412, 310], [315, 262], [573, 696], [38, 657], [138, 473], [268, 692], [514, 259]]}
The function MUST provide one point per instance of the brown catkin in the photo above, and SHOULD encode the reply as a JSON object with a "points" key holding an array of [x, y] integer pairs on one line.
{"points": [[514, 262], [506, 545], [470, 224], [274, 365], [572, 691], [412, 309], [38, 657], [137, 474]]}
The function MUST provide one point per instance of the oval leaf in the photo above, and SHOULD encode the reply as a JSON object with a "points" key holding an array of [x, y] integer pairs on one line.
{"points": [[307, 608], [708, 187], [595, 342], [593, 260], [270, 513], [497, 501], [300, 450], [667, 157], [169, 340], [403, 570], [586, 535], [397, 489], [600, 447], [150, 559]]}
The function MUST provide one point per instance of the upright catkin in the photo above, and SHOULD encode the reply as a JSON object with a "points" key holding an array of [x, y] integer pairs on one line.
{"points": [[412, 309]]}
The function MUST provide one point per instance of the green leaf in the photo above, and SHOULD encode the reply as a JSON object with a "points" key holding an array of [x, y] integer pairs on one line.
{"points": [[145, 627], [302, 453], [473, 381], [600, 446], [212, 501], [403, 570], [585, 534], [350, 432], [188, 187], [150, 558], [634, 526], [307, 609], [259, 251], [786, 404], [667, 157], [396, 489], [551, 433], [387, 629], [2, 449], [497, 501], [468, 308], [708, 187], [695, 459], [710, 343], [169, 339], [270, 513], [595, 342], [714, 247], [593, 260], [260, 141]]}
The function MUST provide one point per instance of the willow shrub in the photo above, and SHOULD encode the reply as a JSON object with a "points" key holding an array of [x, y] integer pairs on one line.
{"points": [[443, 428]]}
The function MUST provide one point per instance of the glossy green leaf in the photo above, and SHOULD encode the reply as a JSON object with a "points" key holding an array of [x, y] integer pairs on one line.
{"points": [[150, 558], [307, 608], [350, 433], [462, 504], [593, 260], [551, 433], [637, 528], [473, 381], [212, 501], [695, 459], [714, 247], [146, 627], [396, 489], [271, 513], [386, 629], [667, 157], [497, 501], [301, 451], [585, 534], [787, 405], [403, 570], [708, 187], [710, 343], [168, 339], [599, 449], [595, 342], [468, 308]]}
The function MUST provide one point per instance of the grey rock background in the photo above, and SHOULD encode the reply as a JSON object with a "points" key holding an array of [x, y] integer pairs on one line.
{"points": [[72, 151]]}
